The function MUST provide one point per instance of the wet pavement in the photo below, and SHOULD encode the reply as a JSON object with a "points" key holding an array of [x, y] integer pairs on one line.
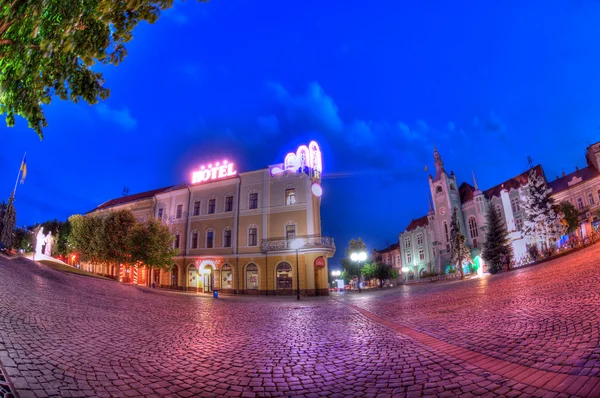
{"points": [[531, 332]]}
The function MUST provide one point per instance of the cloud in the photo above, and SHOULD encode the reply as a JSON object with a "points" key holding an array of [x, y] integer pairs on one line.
{"points": [[314, 109], [120, 117], [268, 124]]}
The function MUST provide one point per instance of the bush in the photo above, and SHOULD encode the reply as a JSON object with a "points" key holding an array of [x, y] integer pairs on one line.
{"points": [[533, 251]]}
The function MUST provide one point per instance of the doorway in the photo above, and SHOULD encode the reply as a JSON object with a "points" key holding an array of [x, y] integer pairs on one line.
{"points": [[207, 279]]}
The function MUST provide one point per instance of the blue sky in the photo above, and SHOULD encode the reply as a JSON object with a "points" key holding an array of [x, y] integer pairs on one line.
{"points": [[377, 85]]}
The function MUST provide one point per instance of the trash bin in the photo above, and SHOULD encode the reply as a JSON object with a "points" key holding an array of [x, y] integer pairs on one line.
{"points": [[216, 294]]}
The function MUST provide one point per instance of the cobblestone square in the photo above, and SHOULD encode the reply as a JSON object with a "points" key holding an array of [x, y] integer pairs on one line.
{"points": [[532, 332]]}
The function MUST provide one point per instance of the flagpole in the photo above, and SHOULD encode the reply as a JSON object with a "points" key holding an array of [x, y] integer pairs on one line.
{"points": [[18, 175]]}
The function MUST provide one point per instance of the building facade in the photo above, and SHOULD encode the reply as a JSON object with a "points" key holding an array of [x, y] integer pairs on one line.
{"points": [[424, 245], [256, 232]]}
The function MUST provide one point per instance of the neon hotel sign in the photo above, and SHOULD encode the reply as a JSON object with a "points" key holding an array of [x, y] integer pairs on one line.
{"points": [[213, 172]]}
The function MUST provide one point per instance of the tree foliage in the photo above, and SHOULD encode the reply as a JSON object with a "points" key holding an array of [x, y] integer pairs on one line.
{"points": [[570, 216], [460, 253], [48, 48], [117, 238], [352, 268], [8, 223], [542, 223], [497, 250]]}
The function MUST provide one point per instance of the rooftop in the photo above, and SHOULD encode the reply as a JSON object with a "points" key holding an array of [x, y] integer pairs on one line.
{"points": [[577, 177], [130, 198], [416, 223]]}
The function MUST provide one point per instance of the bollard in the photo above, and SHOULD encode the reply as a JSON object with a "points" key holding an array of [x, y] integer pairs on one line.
{"points": [[216, 294]]}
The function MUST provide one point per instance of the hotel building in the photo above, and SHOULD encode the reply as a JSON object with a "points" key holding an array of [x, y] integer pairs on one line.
{"points": [[424, 246], [256, 232]]}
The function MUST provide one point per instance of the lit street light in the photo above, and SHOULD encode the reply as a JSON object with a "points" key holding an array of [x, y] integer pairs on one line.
{"points": [[297, 244], [336, 273], [405, 270], [358, 257]]}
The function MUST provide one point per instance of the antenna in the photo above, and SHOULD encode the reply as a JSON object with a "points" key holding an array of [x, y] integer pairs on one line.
{"points": [[125, 191], [529, 161]]}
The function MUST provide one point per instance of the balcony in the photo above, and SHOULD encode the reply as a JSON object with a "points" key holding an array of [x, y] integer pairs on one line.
{"points": [[310, 242]]}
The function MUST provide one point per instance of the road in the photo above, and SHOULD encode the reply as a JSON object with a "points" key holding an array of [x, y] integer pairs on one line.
{"points": [[530, 332]]}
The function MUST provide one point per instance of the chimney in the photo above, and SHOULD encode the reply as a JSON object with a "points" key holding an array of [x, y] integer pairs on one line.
{"points": [[557, 177], [576, 168], [564, 174]]}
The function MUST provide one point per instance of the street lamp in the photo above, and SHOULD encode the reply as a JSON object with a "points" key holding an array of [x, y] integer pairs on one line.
{"points": [[405, 270], [358, 257], [297, 244]]}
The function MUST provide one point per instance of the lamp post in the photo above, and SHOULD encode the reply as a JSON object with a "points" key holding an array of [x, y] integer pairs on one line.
{"points": [[297, 244], [405, 270], [358, 257]]}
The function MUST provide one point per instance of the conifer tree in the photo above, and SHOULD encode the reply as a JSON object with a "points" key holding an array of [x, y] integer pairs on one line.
{"points": [[497, 250], [8, 223], [458, 245], [542, 221]]}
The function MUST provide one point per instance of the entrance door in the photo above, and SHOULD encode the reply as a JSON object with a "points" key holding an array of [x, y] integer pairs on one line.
{"points": [[208, 279]]}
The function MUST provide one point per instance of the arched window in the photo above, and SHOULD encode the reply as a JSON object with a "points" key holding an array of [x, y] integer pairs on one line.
{"points": [[438, 189], [196, 211], [227, 236], [194, 241], [283, 274], [473, 227], [227, 277], [251, 277], [452, 187]]}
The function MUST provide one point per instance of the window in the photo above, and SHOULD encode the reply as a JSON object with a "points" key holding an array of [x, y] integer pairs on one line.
{"points": [[229, 203], [195, 240], [398, 259], [580, 203], [419, 239], [211, 206], [210, 237], [590, 198], [252, 237], [176, 243], [421, 254], [227, 238], [447, 235], [438, 189], [160, 213], [408, 257], [518, 224], [283, 275], [290, 232], [174, 274], [251, 277], [227, 277], [452, 187], [179, 213], [290, 196], [253, 201], [407, 243], [473, 228], [196, 208], [514, 202]]}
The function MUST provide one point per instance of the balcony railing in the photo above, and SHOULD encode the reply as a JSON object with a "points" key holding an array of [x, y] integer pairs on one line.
{"points": [[309, 242]]}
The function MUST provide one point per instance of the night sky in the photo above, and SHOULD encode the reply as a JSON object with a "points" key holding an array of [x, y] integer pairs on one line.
{"points": [[376, 84]]}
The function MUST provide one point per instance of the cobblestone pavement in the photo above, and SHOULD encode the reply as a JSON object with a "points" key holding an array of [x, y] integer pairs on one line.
{"points": [[532, 332]]}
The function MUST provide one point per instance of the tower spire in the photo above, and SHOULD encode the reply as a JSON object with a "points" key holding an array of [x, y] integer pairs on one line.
{"points": [[439, 164], [474, 180]]}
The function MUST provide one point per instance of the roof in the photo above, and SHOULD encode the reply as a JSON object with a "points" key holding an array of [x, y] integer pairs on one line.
{"points": [[419, 222], [390, 248], [130, 198], [585, 174], [513, 183], [466, 192]]}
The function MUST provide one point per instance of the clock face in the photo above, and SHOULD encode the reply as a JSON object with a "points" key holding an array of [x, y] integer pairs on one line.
{"points": [[442, 210]]}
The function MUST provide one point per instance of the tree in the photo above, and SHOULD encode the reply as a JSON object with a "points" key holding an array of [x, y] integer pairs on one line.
{"points": [[3, 207], [151, 243], [570, 216], [48, 48], [497, 250], [85, 237], [351, 268], [542, 223], [114, 237], [62, 245], [368, 271], [8, 223], [382, 272], [458, 245]]}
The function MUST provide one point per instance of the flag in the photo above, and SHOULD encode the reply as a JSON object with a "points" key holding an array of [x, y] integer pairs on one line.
{"points": [[23, 170]]}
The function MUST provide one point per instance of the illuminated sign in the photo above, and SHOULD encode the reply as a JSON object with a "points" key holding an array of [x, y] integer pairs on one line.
{"points": [[306, 159], [215, 172]]}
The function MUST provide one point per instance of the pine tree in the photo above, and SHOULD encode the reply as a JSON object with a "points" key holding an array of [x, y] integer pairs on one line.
{"points": [[458, 245], [542, 222], [8, 223], [497, 250]]}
